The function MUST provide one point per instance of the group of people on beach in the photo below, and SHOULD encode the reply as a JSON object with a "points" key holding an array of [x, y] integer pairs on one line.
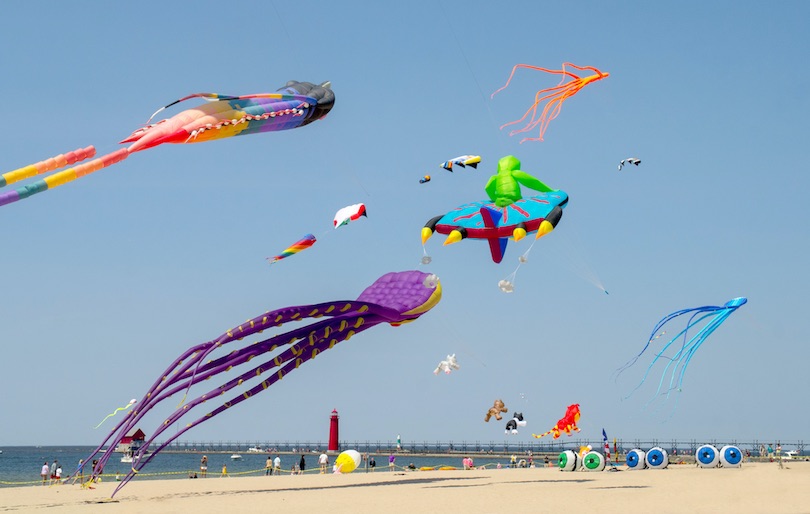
{"points": [[270, 466], [53, 474], [273, 465], [770, 452]]}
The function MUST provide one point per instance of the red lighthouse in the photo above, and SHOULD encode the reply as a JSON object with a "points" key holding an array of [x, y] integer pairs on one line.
{"points": [[333, 432]]}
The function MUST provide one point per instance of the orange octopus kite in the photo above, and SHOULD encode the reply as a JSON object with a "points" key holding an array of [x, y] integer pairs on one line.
{"points": [[554, 96]]}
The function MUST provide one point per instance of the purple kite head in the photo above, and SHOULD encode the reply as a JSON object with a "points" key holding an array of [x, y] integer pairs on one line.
{"points": [[410, 293]]}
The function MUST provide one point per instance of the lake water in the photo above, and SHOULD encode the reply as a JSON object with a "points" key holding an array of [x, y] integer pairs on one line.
{"points": [[21, 465]]}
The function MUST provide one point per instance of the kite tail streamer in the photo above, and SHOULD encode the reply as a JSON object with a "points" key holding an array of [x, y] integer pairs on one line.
{"points": [[544, 434], [113, 413], [63, 177], [54, 163]]}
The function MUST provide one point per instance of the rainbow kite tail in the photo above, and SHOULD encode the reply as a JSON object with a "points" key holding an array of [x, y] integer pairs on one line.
{"points": [[61, 177]]}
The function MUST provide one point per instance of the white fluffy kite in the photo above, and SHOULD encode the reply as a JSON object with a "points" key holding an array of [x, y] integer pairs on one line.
{"points": [[447, 365]]}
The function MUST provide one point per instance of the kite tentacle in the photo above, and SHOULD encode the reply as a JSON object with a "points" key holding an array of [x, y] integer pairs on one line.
{"points": [[293, 358], [48, 165], [171, 377], [705, 334], [62, 177], [675, 369], [290, 359], [394, 298], [544, 117], [538, 68], [340, 309], [683, 333], [555, 96], [241, 356], [675, 361], [655, 331], [172, 373], [276, 319], [281, 316]]}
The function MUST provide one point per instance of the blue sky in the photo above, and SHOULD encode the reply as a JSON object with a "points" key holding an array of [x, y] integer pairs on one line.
{"points": [[108, 279]]}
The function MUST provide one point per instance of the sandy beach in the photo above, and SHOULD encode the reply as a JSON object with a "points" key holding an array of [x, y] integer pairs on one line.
{"points": [[754, 488]]}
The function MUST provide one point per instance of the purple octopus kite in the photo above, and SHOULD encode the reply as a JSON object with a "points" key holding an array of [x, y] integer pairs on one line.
{"points": [[394, 298]]}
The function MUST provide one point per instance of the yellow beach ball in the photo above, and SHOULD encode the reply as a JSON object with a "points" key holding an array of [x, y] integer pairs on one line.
{"points": [[347, 461]]}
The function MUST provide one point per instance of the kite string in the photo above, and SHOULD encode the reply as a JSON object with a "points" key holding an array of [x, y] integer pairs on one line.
{"points": [[512, 277], [290, 43], [461, 344], [493, 123]]}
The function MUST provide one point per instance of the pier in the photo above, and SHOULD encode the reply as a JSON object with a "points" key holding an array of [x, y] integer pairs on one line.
{"points": [[490, 448]]}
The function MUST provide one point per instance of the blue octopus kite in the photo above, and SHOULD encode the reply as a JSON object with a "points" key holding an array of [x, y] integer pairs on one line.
{"points": [[691, 342]]}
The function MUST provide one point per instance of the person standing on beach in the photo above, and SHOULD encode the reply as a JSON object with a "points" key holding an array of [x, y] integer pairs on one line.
{"points": [[323, 461], [44, 472], [391, 462], [268, 466], [372, 463], [58, 475], [224, 471], [204, 466], [303, 464], [79, 473], [93, 470], [277, 464], [54, 465]]}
